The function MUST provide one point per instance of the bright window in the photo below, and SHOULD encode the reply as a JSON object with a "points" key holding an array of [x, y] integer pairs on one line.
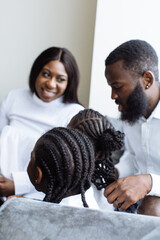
{"points": [[118, 21]]}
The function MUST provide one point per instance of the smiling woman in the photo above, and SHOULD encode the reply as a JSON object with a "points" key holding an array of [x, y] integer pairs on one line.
{"points": [[26, 114], [52, 81]]}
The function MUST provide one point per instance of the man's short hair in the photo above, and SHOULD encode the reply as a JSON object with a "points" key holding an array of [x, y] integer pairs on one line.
{"points": [[138, 56]]}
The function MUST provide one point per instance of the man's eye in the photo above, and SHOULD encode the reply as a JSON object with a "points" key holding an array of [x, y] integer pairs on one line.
{"points": [[117, 87]]}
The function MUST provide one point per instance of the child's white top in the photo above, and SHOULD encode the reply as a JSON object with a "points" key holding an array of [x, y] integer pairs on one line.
{"points": [[94, 198]]}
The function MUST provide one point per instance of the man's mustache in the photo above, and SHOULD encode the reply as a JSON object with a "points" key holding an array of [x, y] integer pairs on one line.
{"points": [[118, 102]]}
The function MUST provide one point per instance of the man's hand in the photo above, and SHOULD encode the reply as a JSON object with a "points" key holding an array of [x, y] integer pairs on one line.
{"points": [[128, 190], [6, 187]]}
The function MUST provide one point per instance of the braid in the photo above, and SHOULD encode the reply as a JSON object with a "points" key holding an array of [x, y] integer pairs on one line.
{"points": [[66, 157], [105, 140], [91, 122], [104, 173], [48, 150], [72, 145], [72, 158], [88, 167]]}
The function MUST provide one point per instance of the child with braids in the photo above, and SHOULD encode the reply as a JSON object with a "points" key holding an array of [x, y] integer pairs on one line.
{"points": [[67, 162], [104, 137], [106, 141], [62, 164]]}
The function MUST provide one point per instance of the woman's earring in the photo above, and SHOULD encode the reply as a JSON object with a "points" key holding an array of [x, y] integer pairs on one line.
{"points": [[147, 86]]}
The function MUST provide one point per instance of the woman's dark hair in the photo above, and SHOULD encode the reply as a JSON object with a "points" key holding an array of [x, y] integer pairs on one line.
{"points": [[138, 56], [105, 140], [64, 56]]}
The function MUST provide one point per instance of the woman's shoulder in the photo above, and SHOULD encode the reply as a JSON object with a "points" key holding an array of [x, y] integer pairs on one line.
{"points": [[74, 106], [72, 109], [15, 96], [19, 91]]}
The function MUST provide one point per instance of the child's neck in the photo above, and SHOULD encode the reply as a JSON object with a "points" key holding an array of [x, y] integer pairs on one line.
{"points": [[72, 193]]}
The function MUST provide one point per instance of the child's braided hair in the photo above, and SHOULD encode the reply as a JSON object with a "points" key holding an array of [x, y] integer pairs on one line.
{"points": [[72, 158], [105, 140], [67, 160]]}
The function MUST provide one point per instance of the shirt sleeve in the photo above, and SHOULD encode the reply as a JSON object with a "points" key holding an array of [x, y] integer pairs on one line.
{"points": [[155, 190], [3, 114], [126, 166], [22, 183]]}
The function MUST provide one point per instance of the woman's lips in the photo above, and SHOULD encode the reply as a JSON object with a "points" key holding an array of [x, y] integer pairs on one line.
{"points": [[48, 94]]}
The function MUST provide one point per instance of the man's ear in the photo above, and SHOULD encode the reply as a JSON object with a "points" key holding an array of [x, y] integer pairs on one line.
{"points": [[148, 79], [39, 175]]}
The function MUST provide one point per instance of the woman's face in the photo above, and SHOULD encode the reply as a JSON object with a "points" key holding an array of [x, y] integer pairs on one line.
{"points": [[52, 81]]}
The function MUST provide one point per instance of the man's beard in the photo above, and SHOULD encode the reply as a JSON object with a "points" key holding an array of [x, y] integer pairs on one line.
{"points": [[137, 105]]}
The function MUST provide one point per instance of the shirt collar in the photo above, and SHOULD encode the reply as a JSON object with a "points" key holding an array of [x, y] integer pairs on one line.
{"points": [[47, 104], [156, 112]]}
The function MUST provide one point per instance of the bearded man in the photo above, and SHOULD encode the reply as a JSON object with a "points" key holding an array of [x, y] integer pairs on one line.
{"points": [[132, 73]]}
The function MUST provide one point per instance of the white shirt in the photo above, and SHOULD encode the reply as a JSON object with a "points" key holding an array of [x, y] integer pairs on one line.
{"points": [[142, 153], [94, 198], [23, 119]]}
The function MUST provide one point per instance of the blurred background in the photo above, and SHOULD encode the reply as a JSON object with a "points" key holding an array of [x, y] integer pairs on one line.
{"points": [[90, 29]]}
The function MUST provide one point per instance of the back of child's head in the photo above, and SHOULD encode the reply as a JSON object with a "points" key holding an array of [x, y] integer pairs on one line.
{"points": [[98, 128], [105, 139], [66, 158]]}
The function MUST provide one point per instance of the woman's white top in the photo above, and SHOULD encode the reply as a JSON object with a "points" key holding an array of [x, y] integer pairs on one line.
{"points": [[23, 119]]}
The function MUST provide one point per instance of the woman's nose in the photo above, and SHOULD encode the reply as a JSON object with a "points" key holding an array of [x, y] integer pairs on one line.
{"points": [[51, 83]]}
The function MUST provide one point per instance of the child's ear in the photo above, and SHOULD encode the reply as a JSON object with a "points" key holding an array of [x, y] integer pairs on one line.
{"points": [[39, 175]]}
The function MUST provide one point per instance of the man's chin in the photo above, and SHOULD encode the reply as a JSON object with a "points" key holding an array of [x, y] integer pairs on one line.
{"points": [[128, 118]]}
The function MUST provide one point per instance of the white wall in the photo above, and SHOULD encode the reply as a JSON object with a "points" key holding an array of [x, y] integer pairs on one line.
{"points": [[27, 27], [118, 21]]}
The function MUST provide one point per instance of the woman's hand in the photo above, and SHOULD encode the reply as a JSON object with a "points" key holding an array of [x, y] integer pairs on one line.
{"points": [[6, 187]]}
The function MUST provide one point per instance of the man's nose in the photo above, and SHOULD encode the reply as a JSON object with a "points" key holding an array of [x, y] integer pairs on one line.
{"points": [[114, 95]]}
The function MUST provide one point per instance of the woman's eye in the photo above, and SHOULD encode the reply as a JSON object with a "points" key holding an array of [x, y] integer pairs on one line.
{"points": [[61, 79], [45, 74]]}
